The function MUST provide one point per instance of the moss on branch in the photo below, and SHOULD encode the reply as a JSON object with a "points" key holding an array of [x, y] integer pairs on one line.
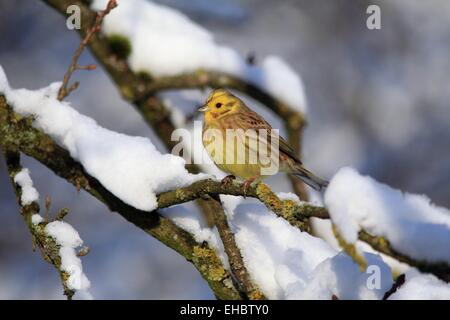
{"points": [[48, 247], [20, 136], [296, 214], [120, 45], [242, 279], [142, 91]]}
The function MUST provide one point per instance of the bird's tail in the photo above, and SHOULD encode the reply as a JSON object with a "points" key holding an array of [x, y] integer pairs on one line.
{"points": [[309, 178]]}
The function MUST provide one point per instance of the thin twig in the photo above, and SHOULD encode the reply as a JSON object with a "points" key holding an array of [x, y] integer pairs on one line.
{"points": [[64, 91], [397, 284]]}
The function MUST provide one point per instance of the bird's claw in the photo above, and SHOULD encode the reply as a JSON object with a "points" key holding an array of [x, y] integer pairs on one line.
{"points": [[228, 179], [247, 183]]}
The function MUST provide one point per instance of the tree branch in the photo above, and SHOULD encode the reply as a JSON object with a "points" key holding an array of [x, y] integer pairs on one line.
{"points": [[141, 91], [381, 244], [17, 134], [48, 247], [296, 214], [64, 91], [237, 266], [134, 88]]}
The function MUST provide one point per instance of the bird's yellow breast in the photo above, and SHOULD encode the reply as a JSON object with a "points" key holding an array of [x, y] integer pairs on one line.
{"points": [[230, 155]]}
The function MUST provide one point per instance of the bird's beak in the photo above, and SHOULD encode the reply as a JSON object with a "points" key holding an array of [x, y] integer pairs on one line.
{"points": [[203, 108]]}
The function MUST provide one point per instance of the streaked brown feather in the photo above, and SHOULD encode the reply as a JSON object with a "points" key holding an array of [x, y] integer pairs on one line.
{"points": [[248, 119]]}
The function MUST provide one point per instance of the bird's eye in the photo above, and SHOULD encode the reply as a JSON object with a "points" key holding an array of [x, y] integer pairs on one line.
{"points": [[218, 105]]}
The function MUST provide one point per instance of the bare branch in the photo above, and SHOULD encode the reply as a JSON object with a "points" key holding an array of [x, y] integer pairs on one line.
{"points": [[64, 91]]}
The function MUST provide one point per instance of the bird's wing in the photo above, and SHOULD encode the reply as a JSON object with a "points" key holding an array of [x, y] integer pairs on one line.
{"points": [[286, 148], [249, 119]]}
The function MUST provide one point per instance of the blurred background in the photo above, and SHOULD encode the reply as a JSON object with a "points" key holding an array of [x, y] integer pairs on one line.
{"points": [[378, 100]]}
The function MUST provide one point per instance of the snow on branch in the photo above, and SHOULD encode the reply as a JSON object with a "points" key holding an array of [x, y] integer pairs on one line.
{"points": [[297, 213], [243, 281], [64, 90], [274, 84], [164, 42], [28, 193], [411, 223], [263, 84], [282, 261], [176, 53], [56, 240], [135, 171], [17, 133]]}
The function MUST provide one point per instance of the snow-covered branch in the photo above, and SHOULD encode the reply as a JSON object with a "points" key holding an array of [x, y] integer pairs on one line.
{"points": [[243, 281], [56, 240], [65, 90], [296, 213], [145, 186], [140, 78], [17, 133], [407, 226]]}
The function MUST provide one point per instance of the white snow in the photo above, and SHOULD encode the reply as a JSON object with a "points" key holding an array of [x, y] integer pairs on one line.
{"points": [[68, 238], [29, 193], [419, 286], [412, 224], [130, 167], [284, 262], [165, 43], [188, 217], [289, 264], [290, 196], [64, 234], [36, 219], [340, 276], [268, 243]]}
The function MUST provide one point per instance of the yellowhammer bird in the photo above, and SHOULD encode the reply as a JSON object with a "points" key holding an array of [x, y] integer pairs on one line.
{"points": [[228, 116]]}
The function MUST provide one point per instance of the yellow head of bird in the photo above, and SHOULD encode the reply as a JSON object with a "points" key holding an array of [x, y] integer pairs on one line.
{"points": [[220, 102]]}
